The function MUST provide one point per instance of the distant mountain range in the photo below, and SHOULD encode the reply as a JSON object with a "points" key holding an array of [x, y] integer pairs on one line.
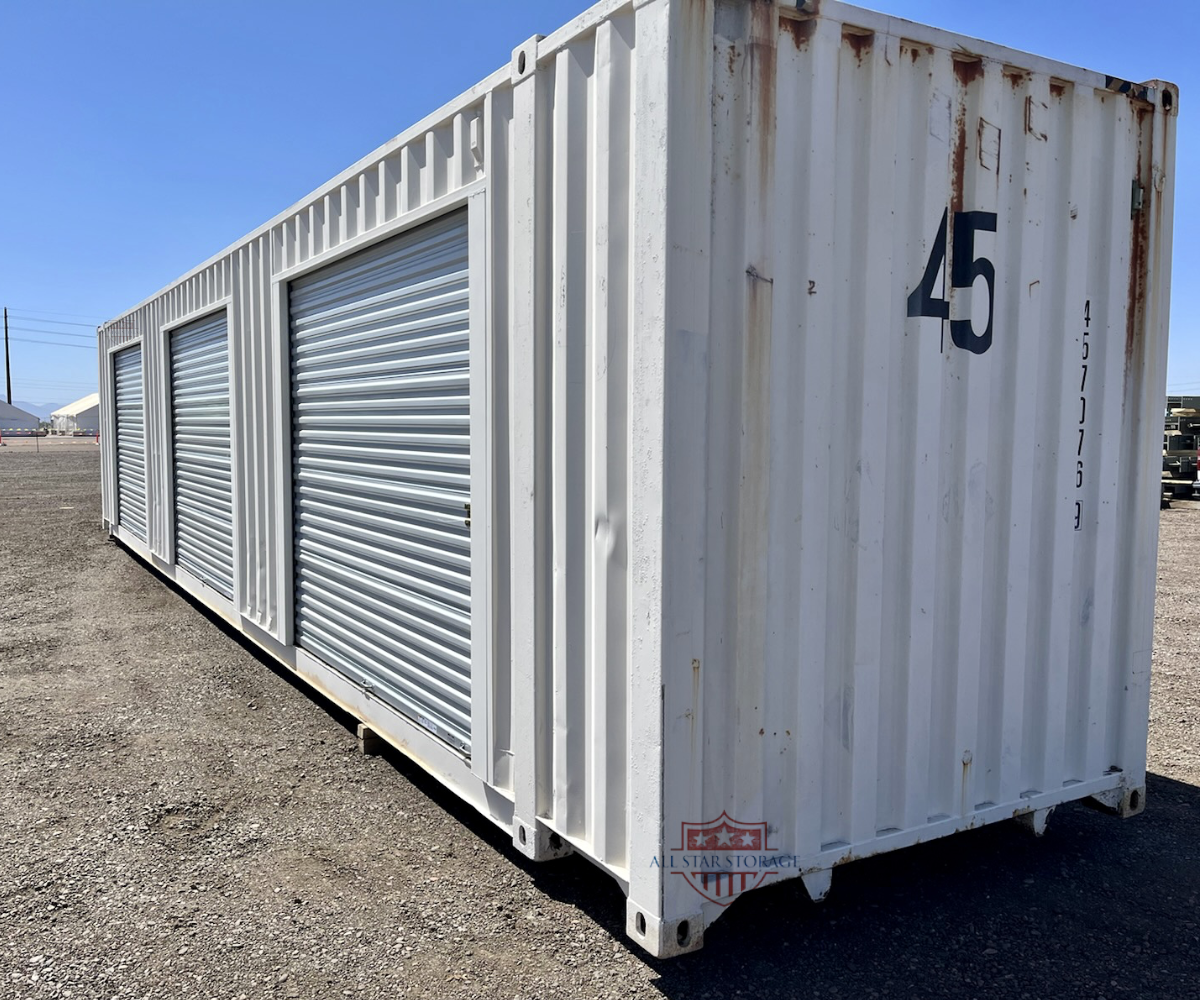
{"points": [[40, 410]]}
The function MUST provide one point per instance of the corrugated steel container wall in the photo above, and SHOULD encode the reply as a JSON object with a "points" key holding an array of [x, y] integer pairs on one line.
{"points": [[914, 579], [555, 139], [751, 538]]}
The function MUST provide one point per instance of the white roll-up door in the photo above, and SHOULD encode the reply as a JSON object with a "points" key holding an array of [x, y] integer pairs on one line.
{"points": [[131, 441], [201, 455], [381, 450]]}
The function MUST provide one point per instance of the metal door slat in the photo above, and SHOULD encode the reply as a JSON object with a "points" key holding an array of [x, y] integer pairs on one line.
{"points": [[421, 618], [411, 574], [201, 452], [382, 471]]}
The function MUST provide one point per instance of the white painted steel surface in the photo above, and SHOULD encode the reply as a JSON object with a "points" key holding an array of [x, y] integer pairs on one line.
{"points": [[382, 457], [131, 441], [203, 469], [817, 366]]}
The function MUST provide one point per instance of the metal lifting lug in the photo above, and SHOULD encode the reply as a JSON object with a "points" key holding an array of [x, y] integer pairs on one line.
{"points": [[1137, 199]]}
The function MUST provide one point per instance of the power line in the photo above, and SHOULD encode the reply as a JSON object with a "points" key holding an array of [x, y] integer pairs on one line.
{"points": [[54, 333], [51, 312], [56, 322], [51, 343]]}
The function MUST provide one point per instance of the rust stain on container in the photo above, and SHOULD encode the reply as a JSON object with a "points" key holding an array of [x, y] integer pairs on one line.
{"points": [[762, 55], [1016, 77], [968, 69], [959, 163], [861, 42], [1139, 254], [1058, 89], [800, 28]]}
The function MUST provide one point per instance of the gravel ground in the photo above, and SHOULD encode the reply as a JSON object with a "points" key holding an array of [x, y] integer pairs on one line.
{"points": [[178, 819]]}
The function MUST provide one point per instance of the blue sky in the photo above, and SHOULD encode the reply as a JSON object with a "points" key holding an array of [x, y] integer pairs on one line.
{"points": [[138, 138]]}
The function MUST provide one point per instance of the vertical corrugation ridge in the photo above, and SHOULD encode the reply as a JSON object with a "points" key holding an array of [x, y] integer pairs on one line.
{"points": [[780, 711], [819, 183], [257, 498], [1068, 264], [846, 408], [243, 441], [943, 780], [753, 411], [1141, 417], [880, 352], [539, 383], [975, 373], [931, 67], [1099, 344], [724, 375], [1050, 595], [269, 570], [497, 169], [672, 222], [1028, 222], [910, 83], [570, 330], [156, 427], [606, 500]]}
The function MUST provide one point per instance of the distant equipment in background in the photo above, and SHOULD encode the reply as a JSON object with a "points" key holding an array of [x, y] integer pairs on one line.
{"points": [[80, 418], [1180, 436]]}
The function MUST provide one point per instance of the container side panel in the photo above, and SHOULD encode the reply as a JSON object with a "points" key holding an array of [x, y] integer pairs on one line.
{"points": [[608, 500], [550, 157], [931, 366], [584, 149]]}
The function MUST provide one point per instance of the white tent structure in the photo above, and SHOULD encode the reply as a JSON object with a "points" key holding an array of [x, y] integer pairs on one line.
{"points": [[80, 417], [14, 420]]}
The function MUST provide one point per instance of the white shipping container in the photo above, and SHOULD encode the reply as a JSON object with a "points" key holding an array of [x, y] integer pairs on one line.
{"points": [[723, 443]]}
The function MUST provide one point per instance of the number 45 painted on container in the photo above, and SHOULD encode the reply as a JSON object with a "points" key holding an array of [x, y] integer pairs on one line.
{"points": [[964, 269]]}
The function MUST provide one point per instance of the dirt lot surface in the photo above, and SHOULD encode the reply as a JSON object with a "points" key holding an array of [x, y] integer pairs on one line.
{"points": [[178, 819]]}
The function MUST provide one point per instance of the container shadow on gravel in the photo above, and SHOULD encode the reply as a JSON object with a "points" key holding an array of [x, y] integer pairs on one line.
{"points": [[1096, 907], [558, 874], [1097, 904]]}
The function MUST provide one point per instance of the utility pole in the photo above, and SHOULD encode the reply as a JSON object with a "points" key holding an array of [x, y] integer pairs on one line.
{"points": [[7, 369]]}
